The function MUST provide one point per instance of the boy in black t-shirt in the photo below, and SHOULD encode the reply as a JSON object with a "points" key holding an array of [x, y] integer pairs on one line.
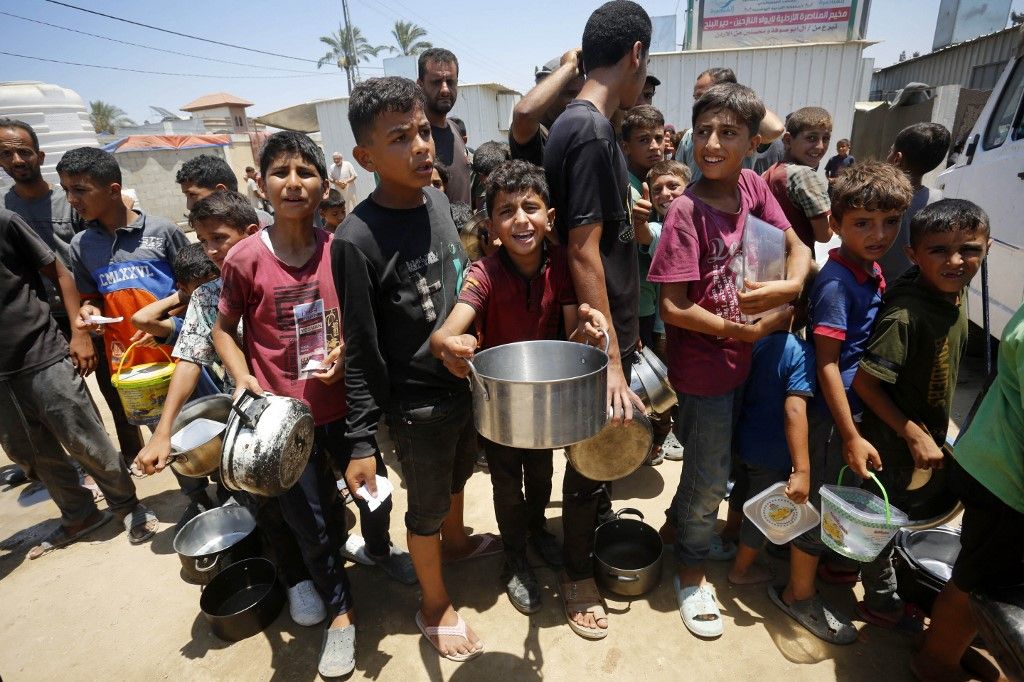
{"points": [[586, 174], [398, 265]]}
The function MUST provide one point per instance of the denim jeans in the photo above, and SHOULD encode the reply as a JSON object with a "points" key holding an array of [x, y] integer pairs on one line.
{"points": [[43, 410], [436, 443], [519, 514], [704, 426]]}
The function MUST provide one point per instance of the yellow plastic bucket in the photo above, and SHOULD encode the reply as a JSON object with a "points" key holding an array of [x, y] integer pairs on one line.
{"points": [[143, 388]]}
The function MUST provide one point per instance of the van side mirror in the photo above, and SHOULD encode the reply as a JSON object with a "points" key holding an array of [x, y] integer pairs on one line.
{"points": [[971, 148]]}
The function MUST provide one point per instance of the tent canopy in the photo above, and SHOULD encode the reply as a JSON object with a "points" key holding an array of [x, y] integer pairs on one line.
{"points": [[134, 143]]}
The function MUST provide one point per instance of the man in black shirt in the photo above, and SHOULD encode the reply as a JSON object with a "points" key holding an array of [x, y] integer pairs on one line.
{"points": [[439, 80], [558, 83], [586, 174]]}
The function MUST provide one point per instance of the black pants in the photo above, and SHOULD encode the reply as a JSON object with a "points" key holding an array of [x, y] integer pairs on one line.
{"points": [[519, 514], [583, 501]]}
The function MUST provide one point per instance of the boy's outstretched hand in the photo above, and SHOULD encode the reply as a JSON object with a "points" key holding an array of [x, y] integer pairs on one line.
{"points": [[799, 486], [455, 350], [592, 326], [858, 453], [335, 364]]}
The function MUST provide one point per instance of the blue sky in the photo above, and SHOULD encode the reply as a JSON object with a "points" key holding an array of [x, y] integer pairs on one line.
{"points": [[483, 35]]}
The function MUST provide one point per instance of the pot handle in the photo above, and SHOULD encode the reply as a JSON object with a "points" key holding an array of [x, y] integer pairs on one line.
{"points": [[631, 512], [242, 413], [479, 381], [204, 568], [607, 340]]}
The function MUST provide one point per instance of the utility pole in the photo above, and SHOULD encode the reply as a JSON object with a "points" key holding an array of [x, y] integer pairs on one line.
{"points": [[351, 60]]}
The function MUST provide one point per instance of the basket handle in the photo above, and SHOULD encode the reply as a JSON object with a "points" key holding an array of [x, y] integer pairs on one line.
{"points": [[885, 495], [124, 356]]}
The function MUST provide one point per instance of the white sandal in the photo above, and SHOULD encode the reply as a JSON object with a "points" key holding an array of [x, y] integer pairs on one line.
{"points": [[695, 602]]}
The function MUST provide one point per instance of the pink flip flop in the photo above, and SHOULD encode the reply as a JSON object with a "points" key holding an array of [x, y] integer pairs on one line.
{"points": [[490, 545], [457, 630]]}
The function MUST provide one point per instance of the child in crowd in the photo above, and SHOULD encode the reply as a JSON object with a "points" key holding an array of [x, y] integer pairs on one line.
{"points": [[987, 474], [279, 285], [332, 210], [867, 202], [842, 160], [908, 372], [917, 149], [398, 266], [161, 319], [665, 181], [708, 344], [205, 174], [521, 293], [486, 158], [45, 406], [795, 182], [439, 177], [121, 261]]}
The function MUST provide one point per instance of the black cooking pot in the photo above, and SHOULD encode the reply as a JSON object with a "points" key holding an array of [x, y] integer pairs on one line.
{"points": [[214, 540], [924, 563], [933, 503], [627, 555], [1000, 618], [243, 599]]}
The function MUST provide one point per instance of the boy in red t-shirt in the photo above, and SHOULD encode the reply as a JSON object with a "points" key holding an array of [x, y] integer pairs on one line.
{"points": [[279, 284], [523, 292]]}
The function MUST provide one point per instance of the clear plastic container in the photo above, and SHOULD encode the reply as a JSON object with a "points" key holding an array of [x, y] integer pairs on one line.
{"points": [[778, 517], [856, 523], [762, 257]]}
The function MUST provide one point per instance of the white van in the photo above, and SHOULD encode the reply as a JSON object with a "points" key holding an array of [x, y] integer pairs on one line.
{"points": [[990, 172]]}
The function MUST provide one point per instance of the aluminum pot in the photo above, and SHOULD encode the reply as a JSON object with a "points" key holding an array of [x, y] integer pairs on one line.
{"points": [[928, 501], [650, 382], [627, 555], [615, 451], [539, 394], [214, 540], [203, 459], [243, 599], [267, 444], [924, 563]]}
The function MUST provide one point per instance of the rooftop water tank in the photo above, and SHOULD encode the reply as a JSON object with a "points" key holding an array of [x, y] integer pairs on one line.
{"points": [[58, 115]]}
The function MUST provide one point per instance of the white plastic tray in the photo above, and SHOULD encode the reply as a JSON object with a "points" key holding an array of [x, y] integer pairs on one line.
{"points": [[778, 517], [195, 433]]}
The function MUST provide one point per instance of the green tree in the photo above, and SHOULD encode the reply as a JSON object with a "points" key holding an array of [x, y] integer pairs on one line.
{"points": [[407, 35], [106, 118], [348, 46]]}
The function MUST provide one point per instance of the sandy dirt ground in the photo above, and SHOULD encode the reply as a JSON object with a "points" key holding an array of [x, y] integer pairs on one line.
{"points": [[102, 609]]}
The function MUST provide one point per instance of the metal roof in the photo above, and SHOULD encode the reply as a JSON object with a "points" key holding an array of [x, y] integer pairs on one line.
{"points": [[216, 99]]}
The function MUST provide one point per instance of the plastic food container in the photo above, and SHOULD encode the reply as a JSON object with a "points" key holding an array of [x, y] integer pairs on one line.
{"points": [[778, 517], [856, 523]]}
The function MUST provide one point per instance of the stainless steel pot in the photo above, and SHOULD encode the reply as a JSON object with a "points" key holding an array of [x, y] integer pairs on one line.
{"points": [[204, 459], [924, 563], [267, 444], [214, 540], [650, 382], [615, 452], [627, 555], [539, 394]]}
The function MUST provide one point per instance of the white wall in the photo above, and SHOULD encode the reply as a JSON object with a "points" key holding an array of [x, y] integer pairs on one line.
{"points": [[829, 75]]}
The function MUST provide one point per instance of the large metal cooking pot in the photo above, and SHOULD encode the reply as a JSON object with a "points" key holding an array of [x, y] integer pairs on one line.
{"points": [[615, 452], [650, 382], [627, 555], [924, 563], [539, 394], [243, 599], [203, 459], [214, 540], [267, 444], [929, 502]]}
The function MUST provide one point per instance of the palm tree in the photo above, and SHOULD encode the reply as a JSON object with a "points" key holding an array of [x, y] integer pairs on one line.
{"points": [[407, 35], [348, 47], [106, 118]]}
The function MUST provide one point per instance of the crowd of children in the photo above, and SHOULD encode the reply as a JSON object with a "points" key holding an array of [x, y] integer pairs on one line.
{"points": [[591, 231]]}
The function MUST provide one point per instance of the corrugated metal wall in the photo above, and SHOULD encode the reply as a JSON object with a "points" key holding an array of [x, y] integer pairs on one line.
{"points": [[829, 75], [950, 66], [486, 111]]}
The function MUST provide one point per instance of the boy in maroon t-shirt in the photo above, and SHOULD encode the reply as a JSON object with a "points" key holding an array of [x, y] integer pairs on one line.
{"points": [[523, 292]]}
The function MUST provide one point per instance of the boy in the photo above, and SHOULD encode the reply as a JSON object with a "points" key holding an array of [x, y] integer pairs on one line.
{"points": [[278, 284], [987, 475], [521, 293], [45, 406], [587, 177], [557, 83], [917, 150], [665, 181], [838, 163], [486, 158], [201, 176], [794, 181], [398, 266], [161, 319], [867, 202], [708, 345], [908, 372], [333, 210]]}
